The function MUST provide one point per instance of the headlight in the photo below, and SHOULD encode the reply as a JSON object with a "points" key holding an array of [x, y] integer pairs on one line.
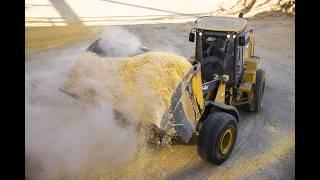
{"points": [[228, 36], [234, 36]]}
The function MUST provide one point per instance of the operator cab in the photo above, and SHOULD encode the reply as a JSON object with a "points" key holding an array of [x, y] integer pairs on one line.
{"points": [[219, 42]]}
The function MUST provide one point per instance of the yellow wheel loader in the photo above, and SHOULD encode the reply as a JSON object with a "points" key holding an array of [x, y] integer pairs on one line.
{"points": [[225, 75]]}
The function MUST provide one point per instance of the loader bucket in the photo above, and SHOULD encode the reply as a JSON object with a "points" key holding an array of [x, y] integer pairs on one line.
{"points": [[186, 106]]}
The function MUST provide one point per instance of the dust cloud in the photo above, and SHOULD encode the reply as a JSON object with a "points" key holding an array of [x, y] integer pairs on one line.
{"points": [[118, 42], [64, 135], [61, 134]]}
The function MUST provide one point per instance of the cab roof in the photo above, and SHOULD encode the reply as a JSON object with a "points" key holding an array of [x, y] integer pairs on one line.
{"points": [[221, 23]]}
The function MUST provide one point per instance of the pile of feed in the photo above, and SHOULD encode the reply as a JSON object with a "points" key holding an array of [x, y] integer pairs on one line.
{"points": [[139, 87]]}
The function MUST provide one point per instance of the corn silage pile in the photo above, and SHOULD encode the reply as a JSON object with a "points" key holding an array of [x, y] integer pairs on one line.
{"points": [[140, 87]]}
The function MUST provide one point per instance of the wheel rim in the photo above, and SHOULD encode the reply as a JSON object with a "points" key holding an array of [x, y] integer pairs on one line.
{"points": [[226, 141]]}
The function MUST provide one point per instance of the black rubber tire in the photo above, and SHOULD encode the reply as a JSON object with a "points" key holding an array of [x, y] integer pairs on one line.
{"points": [[258, 92], [212, 129]]}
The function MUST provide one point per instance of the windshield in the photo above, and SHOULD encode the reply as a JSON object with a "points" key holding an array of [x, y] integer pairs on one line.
{"points": [[217, 54], [214, 46]]}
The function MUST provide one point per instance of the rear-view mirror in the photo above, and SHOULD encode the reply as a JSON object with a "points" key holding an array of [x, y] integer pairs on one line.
{"points": [[242, 41], [191, 37]]}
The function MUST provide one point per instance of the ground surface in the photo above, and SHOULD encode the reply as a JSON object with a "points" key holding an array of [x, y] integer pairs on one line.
{"points": [[265, 145]]}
